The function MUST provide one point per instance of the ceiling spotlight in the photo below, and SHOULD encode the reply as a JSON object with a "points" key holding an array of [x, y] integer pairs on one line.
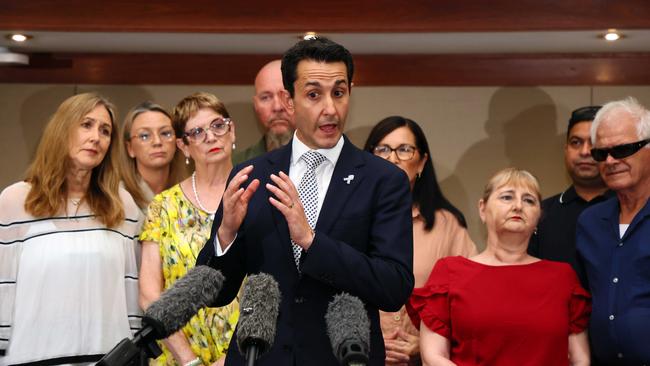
{"points": [[17, 37], [309, 35], [612, 35]]}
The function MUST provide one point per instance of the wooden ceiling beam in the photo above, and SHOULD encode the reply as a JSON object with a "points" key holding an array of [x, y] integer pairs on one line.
{"points": [[371, 70]]}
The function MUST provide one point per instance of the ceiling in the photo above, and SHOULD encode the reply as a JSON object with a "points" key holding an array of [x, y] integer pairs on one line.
{"points": [[589, 41], [415, 42]]}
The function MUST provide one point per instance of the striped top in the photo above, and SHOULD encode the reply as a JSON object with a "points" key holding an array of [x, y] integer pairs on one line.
{"points": [[68, 284]]}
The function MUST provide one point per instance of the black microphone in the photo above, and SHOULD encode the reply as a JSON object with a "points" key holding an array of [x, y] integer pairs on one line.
{"points": [[348, 328], [258, 315], [197, 289]]}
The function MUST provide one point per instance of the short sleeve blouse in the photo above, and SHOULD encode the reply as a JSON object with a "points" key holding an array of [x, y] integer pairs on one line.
{"points": [[502, 315]]}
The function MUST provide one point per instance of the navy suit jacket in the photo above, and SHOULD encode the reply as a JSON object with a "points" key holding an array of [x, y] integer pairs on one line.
{"points": [[363, 246]]}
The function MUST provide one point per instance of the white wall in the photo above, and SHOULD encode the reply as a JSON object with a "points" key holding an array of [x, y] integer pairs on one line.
{"points": [[472, 131]]}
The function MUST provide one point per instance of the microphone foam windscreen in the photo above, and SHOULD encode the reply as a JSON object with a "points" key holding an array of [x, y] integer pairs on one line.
{"points": [[258, 312], [197, 289], [347, 320]]}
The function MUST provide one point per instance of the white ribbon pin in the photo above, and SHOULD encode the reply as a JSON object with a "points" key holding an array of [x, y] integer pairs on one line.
{"points": [[349, 178]]}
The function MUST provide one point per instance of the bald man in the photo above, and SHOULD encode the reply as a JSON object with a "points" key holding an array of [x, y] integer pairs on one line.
{"points": [[272, 116]]}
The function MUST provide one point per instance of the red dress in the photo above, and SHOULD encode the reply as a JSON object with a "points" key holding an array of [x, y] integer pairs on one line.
{"points": [[502, 315]]}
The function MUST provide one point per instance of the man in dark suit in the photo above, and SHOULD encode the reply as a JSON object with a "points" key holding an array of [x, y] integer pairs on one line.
{"points": [[319, 215]]}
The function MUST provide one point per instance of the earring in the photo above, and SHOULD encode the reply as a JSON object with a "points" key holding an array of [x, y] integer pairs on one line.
{"points": [[187, 160], [234, 146]]}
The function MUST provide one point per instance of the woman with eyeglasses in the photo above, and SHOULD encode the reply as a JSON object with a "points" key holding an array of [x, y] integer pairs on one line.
{"points": [[150, 162], [503, 306], [178, 225], [439, 228]]}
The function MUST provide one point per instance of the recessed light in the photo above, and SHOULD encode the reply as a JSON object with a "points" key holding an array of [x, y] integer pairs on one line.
{"points": [[309, 35], [18, 37], [612, 35]]}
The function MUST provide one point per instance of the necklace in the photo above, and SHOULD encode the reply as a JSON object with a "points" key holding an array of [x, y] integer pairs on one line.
{"points": [[76, 202], [196, 196]]}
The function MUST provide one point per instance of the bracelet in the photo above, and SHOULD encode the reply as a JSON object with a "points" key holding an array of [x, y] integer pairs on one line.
{"points": [[195, 362]]}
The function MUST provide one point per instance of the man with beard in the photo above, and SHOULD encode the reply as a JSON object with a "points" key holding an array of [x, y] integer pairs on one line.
{"points": [[278, 126], [556, 231]]}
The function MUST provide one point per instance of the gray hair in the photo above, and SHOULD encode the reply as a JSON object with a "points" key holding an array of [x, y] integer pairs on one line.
{"points": [[629, 106]]}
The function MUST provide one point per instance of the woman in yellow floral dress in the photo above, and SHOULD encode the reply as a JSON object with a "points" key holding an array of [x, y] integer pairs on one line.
{"points": [[178, 225]]}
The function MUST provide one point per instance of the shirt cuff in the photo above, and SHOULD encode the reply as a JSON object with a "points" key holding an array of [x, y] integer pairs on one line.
{"points": [[217, 247]]}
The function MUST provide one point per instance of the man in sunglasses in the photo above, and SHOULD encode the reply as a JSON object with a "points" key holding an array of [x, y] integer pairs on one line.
{"points": [[613, 237], [556, 231]]}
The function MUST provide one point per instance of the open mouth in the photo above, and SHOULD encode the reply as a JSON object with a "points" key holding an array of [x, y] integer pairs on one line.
{"points": [[328, 128]]}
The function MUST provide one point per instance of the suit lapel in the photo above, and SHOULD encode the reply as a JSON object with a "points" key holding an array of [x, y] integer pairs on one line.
{"points": [[279, 162], [347, 175]]}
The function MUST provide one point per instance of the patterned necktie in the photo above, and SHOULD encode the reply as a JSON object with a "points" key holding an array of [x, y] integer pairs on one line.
{"points": [[308, 193]]}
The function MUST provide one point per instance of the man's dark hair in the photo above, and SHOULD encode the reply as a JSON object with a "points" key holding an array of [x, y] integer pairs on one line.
{"points": [[583, 114], [318, 49]]}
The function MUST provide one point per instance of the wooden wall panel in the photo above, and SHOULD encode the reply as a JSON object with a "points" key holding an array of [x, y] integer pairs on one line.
{"points": [[371, 70], [322, 16]]}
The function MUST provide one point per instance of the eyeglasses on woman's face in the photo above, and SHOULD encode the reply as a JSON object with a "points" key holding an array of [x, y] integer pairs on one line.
{"points": [[219, 127], [148, 136], [404, 152]]}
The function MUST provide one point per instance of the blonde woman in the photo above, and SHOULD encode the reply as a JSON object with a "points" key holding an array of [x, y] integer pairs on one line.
{"points": [[68, 275], [178, 225], [150, 163], [503, 306]]}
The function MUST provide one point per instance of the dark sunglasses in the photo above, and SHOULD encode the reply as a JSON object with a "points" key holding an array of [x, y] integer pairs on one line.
{"points": [[618, 151]]}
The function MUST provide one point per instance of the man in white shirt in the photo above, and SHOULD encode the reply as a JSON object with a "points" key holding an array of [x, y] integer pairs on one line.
{"points": [[319, 215]]}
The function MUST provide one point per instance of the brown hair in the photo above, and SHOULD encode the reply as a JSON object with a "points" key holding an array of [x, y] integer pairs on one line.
{"points": [[190, 105], [47, 175], [514, 176], [128, 166]]}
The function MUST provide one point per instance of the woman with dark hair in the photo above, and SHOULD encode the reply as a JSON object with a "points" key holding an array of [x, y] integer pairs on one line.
{"points": [[439, 228], [68, 271]]}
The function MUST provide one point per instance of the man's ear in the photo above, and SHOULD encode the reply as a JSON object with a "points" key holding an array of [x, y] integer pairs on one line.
{"points": [[287, 101]]}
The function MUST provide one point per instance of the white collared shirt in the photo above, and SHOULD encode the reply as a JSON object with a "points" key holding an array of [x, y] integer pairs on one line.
{"points": [[298, 167]]}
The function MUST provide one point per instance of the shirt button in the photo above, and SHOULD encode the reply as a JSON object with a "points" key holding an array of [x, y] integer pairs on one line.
{"points": [[619, 355], [620, 244], [299, 300], [611, 317], [615, 280], [397, 318]]}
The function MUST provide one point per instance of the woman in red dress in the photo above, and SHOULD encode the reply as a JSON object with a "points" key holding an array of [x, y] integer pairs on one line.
{"points": [[503, 307]]}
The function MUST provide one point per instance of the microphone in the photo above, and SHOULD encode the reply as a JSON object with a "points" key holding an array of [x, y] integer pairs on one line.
{"points": [[197, 289], [258, 315], [348, 328]]}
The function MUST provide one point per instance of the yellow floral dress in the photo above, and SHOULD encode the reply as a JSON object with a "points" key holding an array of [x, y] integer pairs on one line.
{"points": [[181, 230]]}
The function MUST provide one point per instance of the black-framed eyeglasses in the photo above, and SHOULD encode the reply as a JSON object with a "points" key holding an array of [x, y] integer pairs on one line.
{"points": [[403, 152], [219, 127], [618, 151], [147, 136]]}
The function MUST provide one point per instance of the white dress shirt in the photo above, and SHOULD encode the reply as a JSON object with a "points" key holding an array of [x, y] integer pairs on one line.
{"points": [[298, 167]]}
